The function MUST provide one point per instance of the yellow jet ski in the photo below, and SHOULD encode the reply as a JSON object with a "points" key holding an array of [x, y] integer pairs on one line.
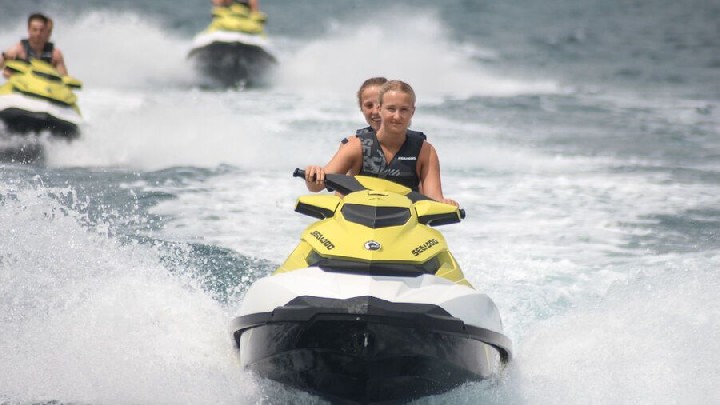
{"points": [[371, 306], [37, 98], [234, 48]]}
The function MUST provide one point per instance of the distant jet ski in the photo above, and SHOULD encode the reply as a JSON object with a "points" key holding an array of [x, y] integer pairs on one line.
{"points": [[234, 48], [37, 98], [371, 306]]}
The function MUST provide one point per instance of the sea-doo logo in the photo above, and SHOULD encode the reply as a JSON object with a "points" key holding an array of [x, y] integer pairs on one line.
{"points": [[372, 245], [425, 246], [325, 242], [407, 158]]}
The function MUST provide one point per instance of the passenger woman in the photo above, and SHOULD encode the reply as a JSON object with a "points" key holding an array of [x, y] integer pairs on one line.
{"points": [[388, 152]]}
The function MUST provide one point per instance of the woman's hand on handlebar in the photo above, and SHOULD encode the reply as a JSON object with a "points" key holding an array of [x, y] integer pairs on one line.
{"points": [[451, 202], [315, 178]]}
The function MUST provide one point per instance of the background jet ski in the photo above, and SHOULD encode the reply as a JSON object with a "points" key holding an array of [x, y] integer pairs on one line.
{"points": [[37, 98], [371, 305], [234, 48]]}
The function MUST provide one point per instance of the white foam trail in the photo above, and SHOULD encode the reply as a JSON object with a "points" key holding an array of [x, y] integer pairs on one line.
{"points": [[655, 340], [122, 50], [196, 128], [416, 48], [134, 120], [85, 319]]}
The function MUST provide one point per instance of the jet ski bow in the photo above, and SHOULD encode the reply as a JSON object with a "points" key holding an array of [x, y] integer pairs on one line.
{"points": [[37, 98], [371, 306], [234, 49]]}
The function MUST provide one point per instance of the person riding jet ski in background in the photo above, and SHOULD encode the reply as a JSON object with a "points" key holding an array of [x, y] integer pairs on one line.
{"points": [[390, 153], [37, 45], [250, 4]]}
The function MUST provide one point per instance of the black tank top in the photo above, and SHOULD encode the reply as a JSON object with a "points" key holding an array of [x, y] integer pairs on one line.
{"points": [[46, 54], [402, 169]]}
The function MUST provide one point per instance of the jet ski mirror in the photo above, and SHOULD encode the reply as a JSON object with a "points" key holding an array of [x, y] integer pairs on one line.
{"points": [[318, 206], [435, 213]]}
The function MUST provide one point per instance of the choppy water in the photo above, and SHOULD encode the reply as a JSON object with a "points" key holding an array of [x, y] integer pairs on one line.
{"points": [[582, 137]]}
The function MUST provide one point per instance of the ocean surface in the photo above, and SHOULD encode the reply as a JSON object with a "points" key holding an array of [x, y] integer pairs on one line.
{"points": [[581, 136]]}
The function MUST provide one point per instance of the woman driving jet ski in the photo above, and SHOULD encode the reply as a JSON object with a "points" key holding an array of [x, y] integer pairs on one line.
{"points": [[390, 152]]}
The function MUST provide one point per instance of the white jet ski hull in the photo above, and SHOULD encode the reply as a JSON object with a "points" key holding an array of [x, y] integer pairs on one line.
{"points": [[22, 114], [230, 58], [354, 337]]}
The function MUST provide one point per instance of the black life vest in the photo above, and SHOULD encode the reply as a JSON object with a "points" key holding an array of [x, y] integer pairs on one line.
{"points": [[46, 54], [402, 169]]}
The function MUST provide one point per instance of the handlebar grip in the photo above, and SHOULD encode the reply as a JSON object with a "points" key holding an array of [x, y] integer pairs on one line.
{"points": [[462, 213], [299, 173]]}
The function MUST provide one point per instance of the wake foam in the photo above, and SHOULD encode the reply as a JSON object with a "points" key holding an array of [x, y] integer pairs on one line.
{"points": [[86, 319], [416, 48]]}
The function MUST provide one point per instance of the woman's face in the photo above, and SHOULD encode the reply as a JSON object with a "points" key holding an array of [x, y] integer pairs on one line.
{"points": [[396, 111], [369, 106]]}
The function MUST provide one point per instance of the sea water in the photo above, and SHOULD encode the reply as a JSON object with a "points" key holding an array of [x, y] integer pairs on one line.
{"points": [[581, 137]]}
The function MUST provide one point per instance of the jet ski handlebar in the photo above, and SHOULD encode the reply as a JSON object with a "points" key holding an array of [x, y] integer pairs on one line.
{"points": [[336, 182], [348, 184]]}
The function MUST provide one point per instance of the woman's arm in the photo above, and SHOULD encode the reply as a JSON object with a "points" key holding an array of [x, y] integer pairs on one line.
{"points": [[347, 160], [429, 174]]}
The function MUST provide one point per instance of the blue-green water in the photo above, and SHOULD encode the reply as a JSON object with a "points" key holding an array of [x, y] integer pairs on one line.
{"points": [[582, 137]]}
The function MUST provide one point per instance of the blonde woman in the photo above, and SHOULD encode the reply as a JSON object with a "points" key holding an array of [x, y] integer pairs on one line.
{"points": [[389, 152]]}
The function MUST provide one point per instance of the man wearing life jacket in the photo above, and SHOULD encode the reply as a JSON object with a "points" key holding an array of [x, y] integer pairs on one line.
{"points": [[37, 45]]}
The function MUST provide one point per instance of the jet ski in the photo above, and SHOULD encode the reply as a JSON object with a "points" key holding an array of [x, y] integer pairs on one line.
{"points": [[234, 48], [371, 306], [37, 98]]}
